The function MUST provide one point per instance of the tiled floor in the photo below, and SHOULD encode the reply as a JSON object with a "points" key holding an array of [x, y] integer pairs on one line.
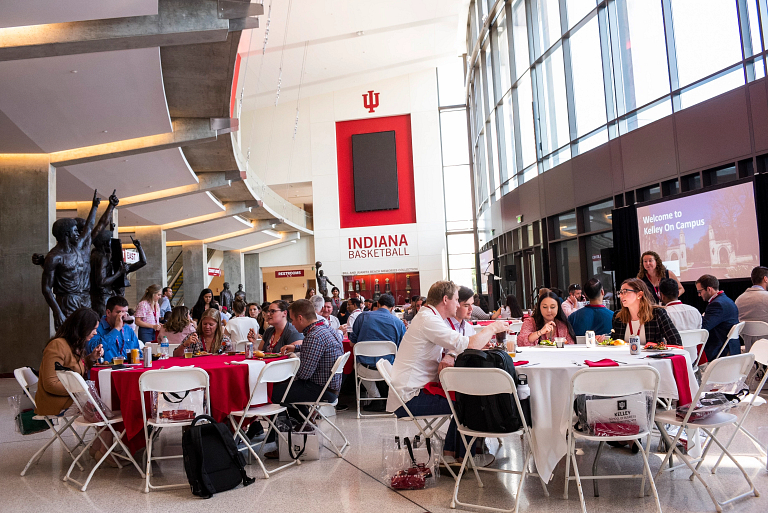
{"points": [[355, 483]]}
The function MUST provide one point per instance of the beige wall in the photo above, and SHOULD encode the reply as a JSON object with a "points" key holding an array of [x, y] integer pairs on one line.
{"points": [[277, 287]]}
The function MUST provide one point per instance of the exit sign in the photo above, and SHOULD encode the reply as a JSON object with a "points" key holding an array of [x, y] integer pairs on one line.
{"points": [[520, 219]]}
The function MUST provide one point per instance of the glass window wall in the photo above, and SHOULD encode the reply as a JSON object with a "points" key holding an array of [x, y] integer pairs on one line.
{"points": [[520, 38], [547, 24], [587, 73], [553, 114]]}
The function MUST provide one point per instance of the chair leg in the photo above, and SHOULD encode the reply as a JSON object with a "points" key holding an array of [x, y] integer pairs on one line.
{"points": [[455, 499], [730, 440], [357, 390], [578, 478], [148, 468], [752, 489], [647, 471], [567, 467], [595, 488], [74, 462], [704, 453], [468, 456]]}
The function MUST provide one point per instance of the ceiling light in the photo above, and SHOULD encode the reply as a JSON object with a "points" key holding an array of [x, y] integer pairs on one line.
{"points": [[73, 71], [103, 131], [360, 33]]}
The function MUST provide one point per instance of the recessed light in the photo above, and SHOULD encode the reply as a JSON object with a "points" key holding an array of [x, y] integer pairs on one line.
{"points": [[360, 33], [103, 131], [73, 71]]}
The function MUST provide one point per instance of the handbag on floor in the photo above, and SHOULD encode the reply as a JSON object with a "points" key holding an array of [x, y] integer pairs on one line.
{"points": [[410, 463], [211, 459], [301, 445]]}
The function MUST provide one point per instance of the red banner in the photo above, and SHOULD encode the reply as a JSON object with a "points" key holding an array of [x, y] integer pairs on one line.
{"points": [[213, 271], [289, 274]]}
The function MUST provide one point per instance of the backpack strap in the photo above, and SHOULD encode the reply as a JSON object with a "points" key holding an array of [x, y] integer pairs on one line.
{"points": [[206, 486], [234, 454]]}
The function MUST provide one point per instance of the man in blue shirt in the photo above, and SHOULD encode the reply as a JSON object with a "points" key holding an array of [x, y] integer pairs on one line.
{"points": [[376, 325], [594, 316], [165, 303], [116, 338]]}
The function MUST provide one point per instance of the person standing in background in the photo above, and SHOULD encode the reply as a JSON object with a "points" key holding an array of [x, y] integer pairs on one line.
{"points": [[652, 271], [148, 314], [165, 302]]}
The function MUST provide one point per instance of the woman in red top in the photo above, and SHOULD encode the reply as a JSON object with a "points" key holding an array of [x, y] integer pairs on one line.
{"points": [[548, 322]]}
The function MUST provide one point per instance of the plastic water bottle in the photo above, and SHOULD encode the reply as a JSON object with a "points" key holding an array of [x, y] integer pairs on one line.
{"points": [[523, 390], [164, 348]]}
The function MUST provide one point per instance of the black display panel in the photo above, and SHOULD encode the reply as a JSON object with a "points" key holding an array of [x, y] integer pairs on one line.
{"points": [[374, 164]]}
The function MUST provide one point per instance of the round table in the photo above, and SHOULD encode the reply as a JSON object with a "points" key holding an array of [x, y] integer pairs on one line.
{"points": [[229, 388], [549, 374]]}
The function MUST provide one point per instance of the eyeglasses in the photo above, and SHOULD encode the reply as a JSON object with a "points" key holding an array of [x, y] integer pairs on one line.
{"points": [[274, 311], [626, 291]]}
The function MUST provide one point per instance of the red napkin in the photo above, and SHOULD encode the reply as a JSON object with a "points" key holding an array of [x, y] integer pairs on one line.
{"points": [[435, 388], [521, 362], [680, 371], [605, 362]]}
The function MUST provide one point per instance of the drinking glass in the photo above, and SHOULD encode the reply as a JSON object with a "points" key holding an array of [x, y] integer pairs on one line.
{"points": [[118, 360], [188, 352], [560, 342]]}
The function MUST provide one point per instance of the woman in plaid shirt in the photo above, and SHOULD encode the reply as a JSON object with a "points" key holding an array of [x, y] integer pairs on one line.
{"points": [[639, 316]]}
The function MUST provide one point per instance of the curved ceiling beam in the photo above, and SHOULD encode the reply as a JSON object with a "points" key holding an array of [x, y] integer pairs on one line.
{"points": [[178, 22], [206, 183]]}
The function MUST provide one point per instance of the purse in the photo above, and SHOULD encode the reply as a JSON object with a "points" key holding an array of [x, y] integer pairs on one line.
{"points": [[415, 477], [176, 407]]}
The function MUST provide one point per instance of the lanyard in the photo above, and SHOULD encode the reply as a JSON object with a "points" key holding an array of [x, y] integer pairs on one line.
{"points": [[631, 329], [713, 297], [433, 310], [671, 303], [273, 341], [454, 328]]}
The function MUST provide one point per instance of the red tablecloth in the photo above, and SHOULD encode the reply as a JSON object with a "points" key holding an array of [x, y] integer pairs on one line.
{"points": [[349, 347], [229, 390]]}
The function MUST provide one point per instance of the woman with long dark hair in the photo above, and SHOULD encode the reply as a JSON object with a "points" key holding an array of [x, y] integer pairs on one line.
{"points": [[652, 271], [547, 323], [204, 302], [511, 309]]}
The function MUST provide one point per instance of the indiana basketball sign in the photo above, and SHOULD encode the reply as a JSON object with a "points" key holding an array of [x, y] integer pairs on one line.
{"points": [[376, 249], [371, 101]]}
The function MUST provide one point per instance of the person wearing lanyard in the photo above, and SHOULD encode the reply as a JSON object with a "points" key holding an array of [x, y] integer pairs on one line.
{"points": [[640, 316], [720, 316], [652, 271], [418, 360], [594, 316], [685, 317], [280, 332], [460, 322], [116, 338]]}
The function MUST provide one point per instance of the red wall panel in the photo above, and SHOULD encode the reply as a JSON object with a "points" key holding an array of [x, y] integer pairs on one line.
{"points": [[407, 212]]}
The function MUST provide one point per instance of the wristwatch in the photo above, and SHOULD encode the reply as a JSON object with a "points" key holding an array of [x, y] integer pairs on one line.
{"points": [[453, 355]]}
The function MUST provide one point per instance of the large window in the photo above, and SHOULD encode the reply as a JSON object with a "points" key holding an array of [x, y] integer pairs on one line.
{"points": [[553, 114], [587, 73]]}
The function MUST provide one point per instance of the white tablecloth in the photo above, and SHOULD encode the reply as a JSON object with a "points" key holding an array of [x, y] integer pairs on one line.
{"points": [[550, 380]]}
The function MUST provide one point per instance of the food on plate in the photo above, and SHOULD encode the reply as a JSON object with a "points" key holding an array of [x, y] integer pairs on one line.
{"points": [[612, 342], [202, 353], [547, 343], [650, 346], [272, 355], [258, 354]]}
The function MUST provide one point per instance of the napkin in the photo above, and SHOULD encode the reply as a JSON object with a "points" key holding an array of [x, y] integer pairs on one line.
{"points": [[435, 388], [521, 362], [605, 362]]}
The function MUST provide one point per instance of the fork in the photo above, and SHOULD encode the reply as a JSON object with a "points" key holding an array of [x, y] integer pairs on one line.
{"points": [[577, 363]]}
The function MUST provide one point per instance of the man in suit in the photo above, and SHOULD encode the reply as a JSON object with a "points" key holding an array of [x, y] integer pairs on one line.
{"points": [[720, 316]]}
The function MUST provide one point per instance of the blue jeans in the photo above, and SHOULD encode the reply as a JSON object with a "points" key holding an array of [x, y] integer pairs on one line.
{"points": [[428, 404], [146, 334]]}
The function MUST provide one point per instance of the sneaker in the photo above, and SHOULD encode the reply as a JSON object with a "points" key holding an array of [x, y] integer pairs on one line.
{"points": [[342, 407], [377, 406]]}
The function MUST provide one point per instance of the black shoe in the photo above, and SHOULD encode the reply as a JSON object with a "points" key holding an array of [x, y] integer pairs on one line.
{"points": [[342, 407], [255, 429], [375, 406]]}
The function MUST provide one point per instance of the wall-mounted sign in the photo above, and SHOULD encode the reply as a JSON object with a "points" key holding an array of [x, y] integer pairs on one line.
{"points": [[379, 249], [289, 274], [371, 101], [213, 271], [130, 256]]}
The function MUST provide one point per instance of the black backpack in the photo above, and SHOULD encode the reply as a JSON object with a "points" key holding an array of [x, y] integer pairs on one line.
{"points": [[490, 413], [211, 459]]}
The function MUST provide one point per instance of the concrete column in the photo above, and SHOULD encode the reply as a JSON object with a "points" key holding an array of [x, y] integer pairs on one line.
{"points": [[253, 279], [27, 212], [233, 268], [195, 255], [152, 240]]}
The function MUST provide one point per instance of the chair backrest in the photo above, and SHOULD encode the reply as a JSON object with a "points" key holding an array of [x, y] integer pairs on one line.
{"points": [[154, 347], [338, 368], [385, 369], [692, 338], [172, 347], [240, 346], [375, 348], [760, 350], [727, 369], [78, 390], [735, 330], [279, 371], [175, 379], [614, 381], [26, 379], [516, 326], [755, 329], [477, 381]]}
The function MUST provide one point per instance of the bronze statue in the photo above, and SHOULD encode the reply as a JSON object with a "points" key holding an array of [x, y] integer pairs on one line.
{"points": [[240, 294], [108, 270], [66, 283], [322, 280], [225, 298]]}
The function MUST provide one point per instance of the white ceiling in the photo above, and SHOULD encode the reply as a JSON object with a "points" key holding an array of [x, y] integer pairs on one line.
{"points": [[299, 193], [398, 37], [17, 13], [176, 209], [168, 169], [113, 96], [245, 241], [215, 228]]}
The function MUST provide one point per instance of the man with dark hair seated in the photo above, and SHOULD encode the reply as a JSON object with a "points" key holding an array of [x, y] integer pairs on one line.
{"points": [[319, 351], [684, 317], [116, 337], [594, 316], [720, 316]]}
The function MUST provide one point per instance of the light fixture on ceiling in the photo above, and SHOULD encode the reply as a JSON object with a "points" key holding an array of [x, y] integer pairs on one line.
{"points": [[360, 33], [73, 71], [103, 131]]}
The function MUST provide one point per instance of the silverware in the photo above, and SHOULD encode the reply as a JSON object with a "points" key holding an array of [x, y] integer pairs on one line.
{"points": [[528, 364], [577, 363]]}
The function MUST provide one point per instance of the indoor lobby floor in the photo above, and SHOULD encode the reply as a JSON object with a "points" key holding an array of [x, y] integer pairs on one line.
{"points": [[355, 483]]}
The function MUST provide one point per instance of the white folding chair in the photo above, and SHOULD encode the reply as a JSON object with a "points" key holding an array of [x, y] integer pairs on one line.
{"points": [[753, 330], [732, 334], [172, 348], [760, 350], [316, 406], [371, 349], [26, 380], [730, 369], [515, 326], [477, 382], [240, 346], [168, 381], [154, 347], [427, 425], [692, 339], [613, 381], [275, 372], [78, 391]]}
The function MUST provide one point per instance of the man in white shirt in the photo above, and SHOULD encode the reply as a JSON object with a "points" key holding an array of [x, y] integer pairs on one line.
{"points": [[355, 304], [460, 321], [684, 317], [319, 303], [571, 303], [420, 354]]}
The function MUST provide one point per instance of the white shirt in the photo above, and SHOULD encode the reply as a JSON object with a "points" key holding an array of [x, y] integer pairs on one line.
{"points": [[351, 319], [684, 317], [330, 324], [463, 327], [420, 352], [238, 327], [333, 322]]}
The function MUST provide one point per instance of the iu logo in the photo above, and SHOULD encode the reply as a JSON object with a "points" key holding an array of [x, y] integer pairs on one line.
{"points": [[371, 100], [621, 405]]}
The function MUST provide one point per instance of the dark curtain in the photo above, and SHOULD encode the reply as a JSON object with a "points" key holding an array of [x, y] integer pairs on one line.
{"points": [[626, 243], [761, 206]]}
